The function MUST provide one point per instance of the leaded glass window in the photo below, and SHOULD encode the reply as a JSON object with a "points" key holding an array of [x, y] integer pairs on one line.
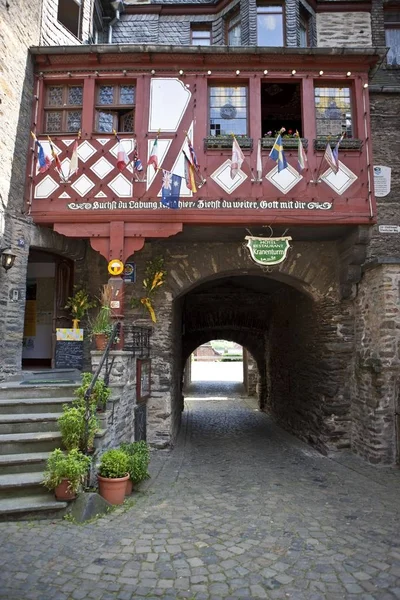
{"points": [[333, 111], [68, 99], [115, 108], [228, 110]]}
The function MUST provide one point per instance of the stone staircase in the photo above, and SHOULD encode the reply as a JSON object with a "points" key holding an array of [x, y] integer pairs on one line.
{"points": [[28, 433]]}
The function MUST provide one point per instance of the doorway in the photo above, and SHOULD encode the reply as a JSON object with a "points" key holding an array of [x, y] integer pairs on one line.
{"points": [[48, 285]]}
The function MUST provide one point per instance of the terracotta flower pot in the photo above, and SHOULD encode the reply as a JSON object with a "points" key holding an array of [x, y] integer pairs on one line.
{"points": [[62, 493], [100, 341], [112, 490], [129, 487]]}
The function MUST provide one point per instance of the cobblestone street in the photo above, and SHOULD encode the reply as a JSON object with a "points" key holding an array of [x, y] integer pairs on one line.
{"points": [[239, 509]]}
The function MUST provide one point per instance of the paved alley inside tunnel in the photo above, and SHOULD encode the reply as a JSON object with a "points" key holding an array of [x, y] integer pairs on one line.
{"points": [[238, 509]]}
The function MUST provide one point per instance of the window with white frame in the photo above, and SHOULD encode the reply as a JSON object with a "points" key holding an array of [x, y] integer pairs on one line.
{"points": [[270, 25], [392, 35], [69, 14]]}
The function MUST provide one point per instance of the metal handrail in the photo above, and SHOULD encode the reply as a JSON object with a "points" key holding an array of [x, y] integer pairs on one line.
{"points": [[114, 334]]}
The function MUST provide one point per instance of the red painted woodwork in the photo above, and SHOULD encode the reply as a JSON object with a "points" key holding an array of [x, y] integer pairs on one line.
{"points": [[120, 226]]}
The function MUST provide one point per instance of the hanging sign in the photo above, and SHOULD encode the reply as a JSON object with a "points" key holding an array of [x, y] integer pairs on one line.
{"points": [[115, 266], [129, 275], [268, 251], [382, 177]]}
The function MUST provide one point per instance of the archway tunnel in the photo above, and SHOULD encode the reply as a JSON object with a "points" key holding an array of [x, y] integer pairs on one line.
{"points": [[302, 381]]}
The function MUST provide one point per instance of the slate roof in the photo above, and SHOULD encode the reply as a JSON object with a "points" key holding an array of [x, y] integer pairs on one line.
{"points": [[386, 77]]}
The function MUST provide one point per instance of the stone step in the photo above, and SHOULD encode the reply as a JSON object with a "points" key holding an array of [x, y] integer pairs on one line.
{"points": [[28, 423], [23, 463], [38, 506], [12, 390], [16, 443], [33, 405], [20, 484]]}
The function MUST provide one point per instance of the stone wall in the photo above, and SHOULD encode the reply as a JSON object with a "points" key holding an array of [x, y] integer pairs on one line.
{"points": [[179, 305], [340, 29], [309, 354], [376, 389]]}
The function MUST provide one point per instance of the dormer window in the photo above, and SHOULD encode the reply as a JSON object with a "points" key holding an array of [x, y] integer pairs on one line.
{"points": [[69, 14], [270, 25]]}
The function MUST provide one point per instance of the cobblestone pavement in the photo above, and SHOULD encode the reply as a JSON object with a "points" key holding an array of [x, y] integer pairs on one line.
{"points": [[239, 509]]}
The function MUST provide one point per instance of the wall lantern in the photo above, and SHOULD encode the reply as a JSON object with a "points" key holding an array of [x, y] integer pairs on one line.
{"points": [[7, 258]]}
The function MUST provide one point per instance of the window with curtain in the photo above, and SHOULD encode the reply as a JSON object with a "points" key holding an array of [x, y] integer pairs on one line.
{"points": [[200, 35], [233, 30], [270, 25], [392, 35]]}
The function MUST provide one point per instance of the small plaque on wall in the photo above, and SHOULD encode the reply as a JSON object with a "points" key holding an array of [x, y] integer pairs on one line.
{"points": [[382, 180]]}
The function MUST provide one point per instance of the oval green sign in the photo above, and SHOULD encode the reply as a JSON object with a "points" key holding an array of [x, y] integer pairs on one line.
{"points": [[268, 251]]}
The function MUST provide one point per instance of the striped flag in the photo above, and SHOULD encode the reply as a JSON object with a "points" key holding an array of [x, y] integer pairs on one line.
{"points": [[330, 158], [54, 154], [301, 155], [44, 160], [122, 157], [237, 158], [153, 159], [190, 174], [192, 154]]}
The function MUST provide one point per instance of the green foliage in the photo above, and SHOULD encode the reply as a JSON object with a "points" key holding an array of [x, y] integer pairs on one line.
{"points": [[138, 454], [79, 303], [99, 395], [72, 427], [102, 322], [72, 465], [114, 464]]}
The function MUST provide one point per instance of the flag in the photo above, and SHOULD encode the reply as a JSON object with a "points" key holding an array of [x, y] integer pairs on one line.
{"points": [[192, 154], [122, 157], [137, 163], [301, 155], [190, 174], [44, 160], [153, 160], [73, 163], [171, 188], [335, 152], [330, 158], [259, 161], [54, 154], [278, 155], [237, 158]]}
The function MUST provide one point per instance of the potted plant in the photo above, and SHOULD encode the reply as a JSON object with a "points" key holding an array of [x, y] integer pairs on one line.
{"points": [[79, 304], [113, 475], [73, 428], [65, 472], [138, 454], [99, 395], [101, 326]]}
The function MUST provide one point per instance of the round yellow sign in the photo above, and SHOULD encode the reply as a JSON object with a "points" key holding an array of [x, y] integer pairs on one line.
{"points": [[115, 266]]}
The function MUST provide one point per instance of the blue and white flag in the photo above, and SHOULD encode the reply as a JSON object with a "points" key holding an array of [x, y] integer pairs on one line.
{"points": [[171, 189], [278, 155]]}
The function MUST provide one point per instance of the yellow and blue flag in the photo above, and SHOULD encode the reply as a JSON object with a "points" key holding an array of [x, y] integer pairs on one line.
{"points": [[278, 155]]}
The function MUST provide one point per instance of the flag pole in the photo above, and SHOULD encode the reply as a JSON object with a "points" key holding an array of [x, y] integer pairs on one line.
{"points": [[197, 169], [316, 181]]}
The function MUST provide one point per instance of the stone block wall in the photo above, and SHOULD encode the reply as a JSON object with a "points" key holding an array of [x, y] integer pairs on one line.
{"points": [[376, 389], [309, 355], [338, 29]]}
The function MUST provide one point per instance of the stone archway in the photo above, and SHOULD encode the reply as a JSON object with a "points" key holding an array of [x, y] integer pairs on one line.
{"points": [[297, 301]]}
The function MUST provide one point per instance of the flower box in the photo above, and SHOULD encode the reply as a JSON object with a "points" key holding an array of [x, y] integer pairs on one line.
{"points": [[288, 143], [346, 143], [215, 142]]}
